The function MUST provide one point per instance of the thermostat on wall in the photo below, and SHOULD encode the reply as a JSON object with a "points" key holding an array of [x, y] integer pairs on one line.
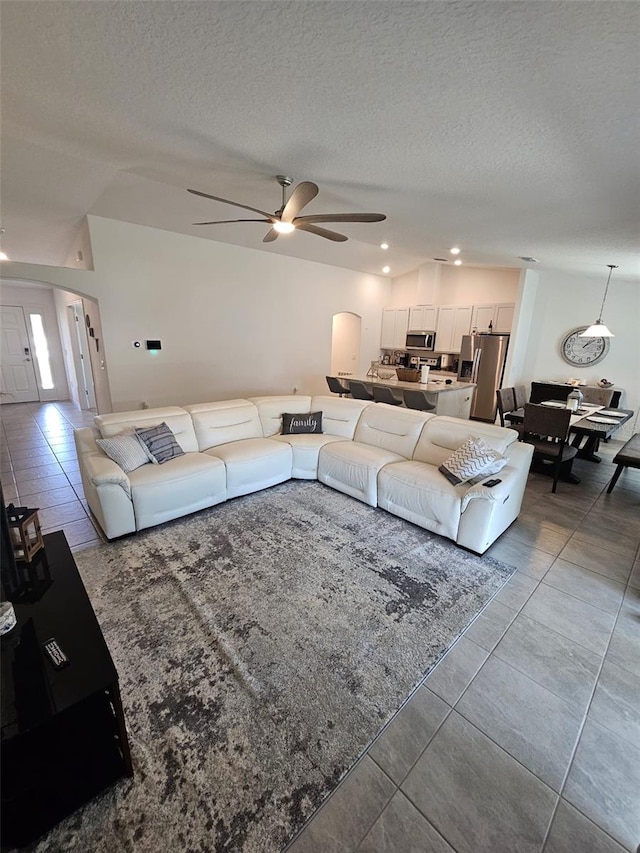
{"points": [[156, 345]]}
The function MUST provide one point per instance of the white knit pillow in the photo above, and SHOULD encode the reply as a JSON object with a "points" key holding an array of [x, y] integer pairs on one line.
{"points": [[125, 450], [472, 459]]}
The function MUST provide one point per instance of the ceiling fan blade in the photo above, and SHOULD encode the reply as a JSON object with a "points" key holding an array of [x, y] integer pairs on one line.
{"points": [[269, 216], [342, 217], [302, 195], [321, 232], [224, 221], [270, 236]]}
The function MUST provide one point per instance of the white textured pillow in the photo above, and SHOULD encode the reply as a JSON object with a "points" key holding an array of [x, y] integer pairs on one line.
{"points": [[125, 450], [472, 459]]}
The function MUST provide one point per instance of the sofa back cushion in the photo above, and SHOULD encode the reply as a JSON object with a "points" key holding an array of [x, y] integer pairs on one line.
{"points": [[340, 415], [442, 435], [178, 420], [271, 410], [220, 423], [391, 428]]}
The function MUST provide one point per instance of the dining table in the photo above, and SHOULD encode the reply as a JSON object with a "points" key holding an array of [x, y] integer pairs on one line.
{"points": [[592, 421]]}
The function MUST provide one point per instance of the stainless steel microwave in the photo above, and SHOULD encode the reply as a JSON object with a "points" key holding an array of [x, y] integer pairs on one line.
{"points": [[421, 340]]}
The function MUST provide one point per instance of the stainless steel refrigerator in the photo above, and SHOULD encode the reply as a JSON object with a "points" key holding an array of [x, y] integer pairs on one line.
{"points": [[482, 360]]}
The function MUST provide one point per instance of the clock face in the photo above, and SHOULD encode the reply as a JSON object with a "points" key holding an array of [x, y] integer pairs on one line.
{"points": [[583, 352]]}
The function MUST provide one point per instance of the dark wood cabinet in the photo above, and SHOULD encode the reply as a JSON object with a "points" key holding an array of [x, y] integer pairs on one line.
{"points": [[63, 732]]}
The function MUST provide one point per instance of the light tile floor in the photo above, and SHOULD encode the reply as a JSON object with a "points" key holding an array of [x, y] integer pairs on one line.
{"points": [[526, 736]]}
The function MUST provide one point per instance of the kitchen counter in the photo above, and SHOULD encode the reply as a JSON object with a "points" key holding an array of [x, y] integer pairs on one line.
{"points": [[454, 399]]}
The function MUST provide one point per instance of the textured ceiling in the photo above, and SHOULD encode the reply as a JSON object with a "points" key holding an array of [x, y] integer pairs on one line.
{"points": [[508, 128]]}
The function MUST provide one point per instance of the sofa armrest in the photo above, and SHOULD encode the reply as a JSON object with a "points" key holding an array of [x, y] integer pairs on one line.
{"points": [[106, 487], [100, 470], [486, 513]]}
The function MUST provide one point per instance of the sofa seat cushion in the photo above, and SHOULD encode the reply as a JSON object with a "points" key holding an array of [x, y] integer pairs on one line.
{"points": [[306, 449], [182, 485], [352, 467], [419, 493], [253, 464]]}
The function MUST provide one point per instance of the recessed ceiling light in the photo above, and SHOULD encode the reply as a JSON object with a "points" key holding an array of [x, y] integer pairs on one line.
{"points": [[528, 260], [455, 250], [457, 262], [384, 245], [386, 269]]}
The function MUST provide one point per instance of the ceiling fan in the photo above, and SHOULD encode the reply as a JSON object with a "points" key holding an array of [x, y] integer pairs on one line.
{"points": [[286, 219]]}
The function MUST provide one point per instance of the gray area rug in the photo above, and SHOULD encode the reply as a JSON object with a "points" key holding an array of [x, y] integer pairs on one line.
{"points": [[261, 645]]}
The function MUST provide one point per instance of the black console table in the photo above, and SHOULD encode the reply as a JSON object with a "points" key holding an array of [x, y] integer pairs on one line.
{"points": [[63, 731]]}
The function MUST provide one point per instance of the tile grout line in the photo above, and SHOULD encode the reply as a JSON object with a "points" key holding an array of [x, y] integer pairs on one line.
{"points": [[579, 737]]}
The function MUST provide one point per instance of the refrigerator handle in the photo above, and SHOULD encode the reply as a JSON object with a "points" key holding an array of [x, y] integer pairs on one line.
{"points": [[476, 365]]}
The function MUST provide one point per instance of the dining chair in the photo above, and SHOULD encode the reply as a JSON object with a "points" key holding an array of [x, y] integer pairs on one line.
{"points": [[506, 402], [359, 390], [385, 395], [597, 396], [336, 386], [417, 400], [547, 429], [520, 393]]}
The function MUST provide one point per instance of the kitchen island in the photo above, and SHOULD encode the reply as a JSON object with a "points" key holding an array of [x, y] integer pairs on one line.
{"points": [[453, 400]]}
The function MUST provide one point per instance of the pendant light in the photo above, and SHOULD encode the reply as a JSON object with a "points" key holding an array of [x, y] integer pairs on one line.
{"points": [[598, 329]]}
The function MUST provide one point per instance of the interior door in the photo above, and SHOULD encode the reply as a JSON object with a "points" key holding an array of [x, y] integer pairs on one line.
{"points": [[18, 374]]}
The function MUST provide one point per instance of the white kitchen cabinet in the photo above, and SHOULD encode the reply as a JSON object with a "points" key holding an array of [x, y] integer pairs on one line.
{"points": [[388, 326], [454, 321], [499, 315], [482, 316], [462, 326], [423, 318], [400, 328], [504, 317], [454, 404], [395, 322]]}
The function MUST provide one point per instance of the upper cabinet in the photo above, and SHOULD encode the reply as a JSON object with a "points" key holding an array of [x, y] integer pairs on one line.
{"points": [[454, 321], [423, 318], [450, 323], [499, 315], [395, 322]]}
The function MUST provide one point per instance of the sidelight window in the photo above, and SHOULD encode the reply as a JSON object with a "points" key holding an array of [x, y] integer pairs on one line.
{"points": [[42, 352]]}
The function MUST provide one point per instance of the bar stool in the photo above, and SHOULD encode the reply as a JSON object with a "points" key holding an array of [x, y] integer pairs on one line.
{"points": [[359, 391], [336, 387], [417, 400], [385, 395]]}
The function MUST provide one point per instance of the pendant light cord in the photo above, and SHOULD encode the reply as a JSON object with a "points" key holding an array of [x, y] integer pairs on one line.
{"points": [[612, 267]]}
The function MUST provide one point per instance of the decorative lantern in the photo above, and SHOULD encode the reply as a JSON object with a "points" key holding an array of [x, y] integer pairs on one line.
{"points": [[26, 536]]}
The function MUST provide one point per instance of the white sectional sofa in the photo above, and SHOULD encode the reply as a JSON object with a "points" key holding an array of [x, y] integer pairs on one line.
{"points": [[379, 454]]}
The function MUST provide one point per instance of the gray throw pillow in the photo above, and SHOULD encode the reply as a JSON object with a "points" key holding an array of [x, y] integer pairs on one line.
{"points": [[160, 442], [125, 450], [296, 424]]}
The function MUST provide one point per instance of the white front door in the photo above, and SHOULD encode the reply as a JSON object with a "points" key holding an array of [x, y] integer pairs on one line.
{"points": [[18, 383]]}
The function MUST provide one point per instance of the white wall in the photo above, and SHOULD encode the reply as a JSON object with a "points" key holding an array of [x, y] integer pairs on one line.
{"points": [[40, 300], [233, 321], [560, 303], [458, 286]]}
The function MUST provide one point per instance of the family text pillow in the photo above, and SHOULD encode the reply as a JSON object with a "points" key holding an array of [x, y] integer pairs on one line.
{"points": [[296, 424]]}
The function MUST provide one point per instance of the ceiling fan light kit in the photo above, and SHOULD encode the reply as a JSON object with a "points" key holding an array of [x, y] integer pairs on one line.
{"points": [[286, 219], [598, 329]]}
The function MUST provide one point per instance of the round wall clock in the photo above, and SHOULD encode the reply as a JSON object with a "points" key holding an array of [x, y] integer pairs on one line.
{"points": [[583, 352]]}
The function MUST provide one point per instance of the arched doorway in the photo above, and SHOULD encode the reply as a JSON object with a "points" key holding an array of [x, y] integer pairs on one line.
{"points": [[345, 344]]}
